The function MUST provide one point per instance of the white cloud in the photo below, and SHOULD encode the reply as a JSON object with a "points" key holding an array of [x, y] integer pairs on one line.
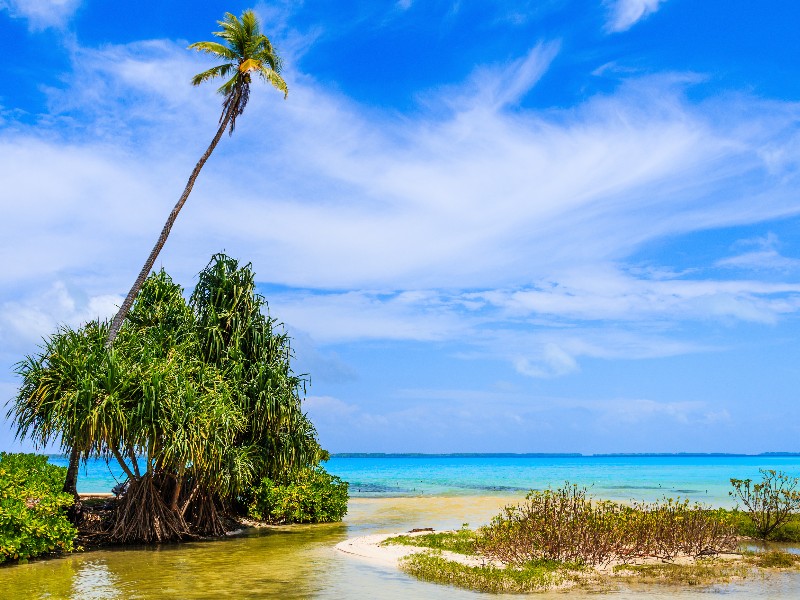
{"points": [[542, 352], [626, 13], [41, 14], [24, 322], [401, 219], [497, 86], [763, 257], [638, 410], [606, 293], [553, 361], [473, 196]]}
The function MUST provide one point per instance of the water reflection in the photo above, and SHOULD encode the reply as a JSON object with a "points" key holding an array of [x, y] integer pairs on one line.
{"points": [[297, 563], [94, 581]]}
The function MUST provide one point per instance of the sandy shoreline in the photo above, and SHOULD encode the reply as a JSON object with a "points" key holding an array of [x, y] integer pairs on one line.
{"points": [[369, 548]]}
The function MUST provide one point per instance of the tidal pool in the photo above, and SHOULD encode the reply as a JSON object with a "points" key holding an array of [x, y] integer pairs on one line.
{"points": [[300, 562]]}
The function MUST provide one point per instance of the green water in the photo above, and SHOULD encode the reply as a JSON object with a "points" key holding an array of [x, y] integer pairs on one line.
{"points": [[295, 562]]}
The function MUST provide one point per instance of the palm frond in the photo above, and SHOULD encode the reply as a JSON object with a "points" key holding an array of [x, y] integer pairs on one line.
{"points": [[271, 76], [214, 48], [213, 73]]}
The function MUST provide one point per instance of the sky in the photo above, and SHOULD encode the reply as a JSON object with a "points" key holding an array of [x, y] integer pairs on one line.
{"points": [[545, 226]]}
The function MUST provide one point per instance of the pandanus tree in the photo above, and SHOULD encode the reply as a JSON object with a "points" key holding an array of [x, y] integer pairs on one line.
{"points": [[246, 52], [238, 338], [196, 402]]}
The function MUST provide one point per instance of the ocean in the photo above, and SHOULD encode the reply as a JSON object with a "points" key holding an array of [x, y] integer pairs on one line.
{"points": [[702, 478]]}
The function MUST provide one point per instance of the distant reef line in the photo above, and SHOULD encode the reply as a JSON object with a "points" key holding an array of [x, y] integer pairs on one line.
{"points": [[556, 455], [544, 455]]}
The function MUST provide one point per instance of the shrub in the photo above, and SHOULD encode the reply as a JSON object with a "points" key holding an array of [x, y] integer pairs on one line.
{"points": [[312, 496], [33, 520], [770, 503], [787, 532], [565, 525]]}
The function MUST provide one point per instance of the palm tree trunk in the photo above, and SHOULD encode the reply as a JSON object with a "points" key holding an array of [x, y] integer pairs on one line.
{"points": [[71, 482], [74, 512], [116, 324]]}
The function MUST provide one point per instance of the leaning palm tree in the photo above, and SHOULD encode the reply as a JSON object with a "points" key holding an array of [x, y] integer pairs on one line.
{"points": [[246, 51]]}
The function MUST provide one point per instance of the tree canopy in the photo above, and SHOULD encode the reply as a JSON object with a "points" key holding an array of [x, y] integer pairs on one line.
{"points": [[197, 401]]}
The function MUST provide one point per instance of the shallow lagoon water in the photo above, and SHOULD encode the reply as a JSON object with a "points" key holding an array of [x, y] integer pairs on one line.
{"points": [[300, 562], [390, 494]]}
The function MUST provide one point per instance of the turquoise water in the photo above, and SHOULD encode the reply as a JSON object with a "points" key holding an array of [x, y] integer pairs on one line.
{"points": [[702, 478], [396, 494]]}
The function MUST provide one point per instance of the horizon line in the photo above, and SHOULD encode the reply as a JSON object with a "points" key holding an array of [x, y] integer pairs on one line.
{"points": [[550, 454]]}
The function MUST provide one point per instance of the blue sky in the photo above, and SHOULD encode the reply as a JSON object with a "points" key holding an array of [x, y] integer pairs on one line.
{"points": [[552, 226]]}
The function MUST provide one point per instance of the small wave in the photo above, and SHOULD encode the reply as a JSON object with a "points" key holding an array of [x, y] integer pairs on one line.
{"points": [[377, 488], [489, 488], [632, 487]]}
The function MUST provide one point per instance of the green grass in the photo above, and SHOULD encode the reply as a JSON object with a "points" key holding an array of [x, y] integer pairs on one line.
{"points": [[776, 560], [531, 577], [701, 572], [461, 541]]}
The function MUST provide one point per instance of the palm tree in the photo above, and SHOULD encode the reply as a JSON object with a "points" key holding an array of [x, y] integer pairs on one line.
{"points": [[245, 51]]}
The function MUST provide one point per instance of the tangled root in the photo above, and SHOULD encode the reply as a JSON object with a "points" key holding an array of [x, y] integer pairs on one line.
{"points": [[144, 517]]}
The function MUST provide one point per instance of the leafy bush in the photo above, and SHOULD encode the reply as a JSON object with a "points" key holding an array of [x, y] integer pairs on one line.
{"points": [[565, 525], [32, 508], [770, 503], [786, 532], [312, 496]]}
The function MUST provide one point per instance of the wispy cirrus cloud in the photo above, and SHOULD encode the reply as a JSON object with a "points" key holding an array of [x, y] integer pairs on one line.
{"points": [[462, 221], [473, 195], [624, 14]]}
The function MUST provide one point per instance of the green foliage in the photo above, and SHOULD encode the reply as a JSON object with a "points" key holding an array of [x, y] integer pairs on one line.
{"points": [[254, 352], [197, 401], [246, 51], [744, 526], [311, 496], [566, 526], [462, 541], [530, 577], [32, 508], [771, 502]]}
